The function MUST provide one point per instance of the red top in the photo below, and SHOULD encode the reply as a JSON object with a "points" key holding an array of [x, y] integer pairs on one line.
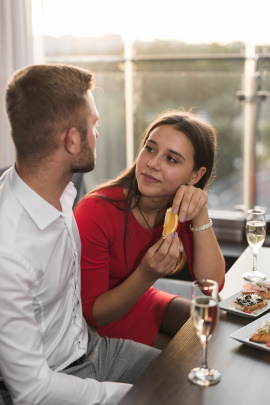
{"points": [[103, 264]]}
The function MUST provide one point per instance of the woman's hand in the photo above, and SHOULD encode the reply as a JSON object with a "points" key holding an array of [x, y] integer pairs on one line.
{"points": [[161, 258], [188, 202]]}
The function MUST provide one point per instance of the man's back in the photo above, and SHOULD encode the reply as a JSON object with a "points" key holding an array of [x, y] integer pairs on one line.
{"points": [[39, 269]]}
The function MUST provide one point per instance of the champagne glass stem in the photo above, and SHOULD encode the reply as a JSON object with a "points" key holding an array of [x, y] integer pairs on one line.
{"points": [[204, 353], [254, 260]]}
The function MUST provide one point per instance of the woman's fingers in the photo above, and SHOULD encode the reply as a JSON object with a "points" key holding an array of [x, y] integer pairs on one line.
{"points": [[188, 202], [161, 258], [193, 203], [177, 199]]}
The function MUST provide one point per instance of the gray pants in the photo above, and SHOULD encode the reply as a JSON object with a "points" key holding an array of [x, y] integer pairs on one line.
{"points": [[115, 360], [5, 398]]}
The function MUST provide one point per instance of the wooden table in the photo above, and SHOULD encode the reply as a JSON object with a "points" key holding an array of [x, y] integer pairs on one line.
{"points": [[245, 370]]}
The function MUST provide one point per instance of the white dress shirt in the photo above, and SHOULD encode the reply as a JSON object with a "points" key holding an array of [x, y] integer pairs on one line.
{"points": [[42, 329]]}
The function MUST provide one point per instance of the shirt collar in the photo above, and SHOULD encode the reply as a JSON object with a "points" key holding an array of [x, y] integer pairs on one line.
{"points": [[42, 213]]}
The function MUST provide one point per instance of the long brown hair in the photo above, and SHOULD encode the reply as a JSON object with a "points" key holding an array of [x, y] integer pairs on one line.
{"points": [[203, 138]]}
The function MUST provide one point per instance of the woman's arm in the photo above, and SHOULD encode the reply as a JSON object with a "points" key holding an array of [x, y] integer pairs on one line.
{"points": [[100, 229], [159, 261], [208, 261]]}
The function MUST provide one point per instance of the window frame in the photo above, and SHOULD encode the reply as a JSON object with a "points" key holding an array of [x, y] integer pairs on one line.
{"points": [[229, 226]]}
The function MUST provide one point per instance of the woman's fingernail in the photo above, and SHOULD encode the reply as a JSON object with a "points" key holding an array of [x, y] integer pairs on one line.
{"points": [[174, 210], [176, 234], [182, 218], [171, 236]]}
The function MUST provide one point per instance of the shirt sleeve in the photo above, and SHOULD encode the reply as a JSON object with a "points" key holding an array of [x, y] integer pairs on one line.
{"points": [[23, 365], [95, 223]]}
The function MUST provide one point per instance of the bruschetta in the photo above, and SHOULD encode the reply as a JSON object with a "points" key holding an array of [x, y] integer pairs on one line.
{"points": [[262, 334], [249, 302]]}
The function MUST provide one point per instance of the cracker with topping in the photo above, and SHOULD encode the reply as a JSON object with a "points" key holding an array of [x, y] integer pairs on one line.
{"points": [[249, 303]]}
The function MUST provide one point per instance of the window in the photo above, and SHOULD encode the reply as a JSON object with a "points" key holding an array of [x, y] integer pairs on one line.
{"points": [[225, 81]]}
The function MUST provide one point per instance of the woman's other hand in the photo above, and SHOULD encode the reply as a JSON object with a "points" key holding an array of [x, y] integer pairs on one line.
{"points": [[188, 202]]}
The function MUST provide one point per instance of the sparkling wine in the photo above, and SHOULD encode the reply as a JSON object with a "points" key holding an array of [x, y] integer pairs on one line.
{"points": [[204, 312], [255, 233]]}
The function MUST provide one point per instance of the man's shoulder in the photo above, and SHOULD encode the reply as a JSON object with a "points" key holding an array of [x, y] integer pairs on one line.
{"points": [[10, 207], [18, 232]]}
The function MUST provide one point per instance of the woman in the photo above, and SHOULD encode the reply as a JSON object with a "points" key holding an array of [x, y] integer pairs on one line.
{"points": [[120, 225]]}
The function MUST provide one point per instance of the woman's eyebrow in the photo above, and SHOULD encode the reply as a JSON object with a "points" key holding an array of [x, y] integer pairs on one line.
{"points": [[176, 153], [169, 150]]}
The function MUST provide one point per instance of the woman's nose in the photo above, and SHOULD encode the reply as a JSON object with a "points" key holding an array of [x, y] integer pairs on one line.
{"points": [[153, 163]]}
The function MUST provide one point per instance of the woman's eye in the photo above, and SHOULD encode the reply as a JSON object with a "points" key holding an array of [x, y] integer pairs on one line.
{"points": [[171, 159], [148, 148]]}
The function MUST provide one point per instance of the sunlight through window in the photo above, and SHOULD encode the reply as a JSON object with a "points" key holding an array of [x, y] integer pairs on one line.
{"points": [[194, 21]]}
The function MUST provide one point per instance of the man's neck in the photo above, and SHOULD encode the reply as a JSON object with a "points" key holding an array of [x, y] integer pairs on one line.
{"points": [[45, 180]]}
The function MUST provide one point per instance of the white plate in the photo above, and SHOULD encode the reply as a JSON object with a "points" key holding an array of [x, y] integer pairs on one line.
{"points": [[243, 334], [227, 305]]}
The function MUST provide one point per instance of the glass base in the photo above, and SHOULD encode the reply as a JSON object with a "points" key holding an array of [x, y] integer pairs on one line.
{"points": [[204, 376], [254, 276]]}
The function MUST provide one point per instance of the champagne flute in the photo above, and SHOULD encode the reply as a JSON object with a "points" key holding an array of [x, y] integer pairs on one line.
{"points": [[205, 313], [255, 234]]}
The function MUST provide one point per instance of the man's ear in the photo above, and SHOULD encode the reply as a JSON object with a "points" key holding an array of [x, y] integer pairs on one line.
{"points": [[72, 141], [196, 176]]}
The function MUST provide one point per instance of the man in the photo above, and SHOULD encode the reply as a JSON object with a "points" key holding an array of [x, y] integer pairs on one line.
{"points": [[48, 355]]}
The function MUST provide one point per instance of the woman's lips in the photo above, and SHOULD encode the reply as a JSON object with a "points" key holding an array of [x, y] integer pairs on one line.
{"points": [[149, 178]]}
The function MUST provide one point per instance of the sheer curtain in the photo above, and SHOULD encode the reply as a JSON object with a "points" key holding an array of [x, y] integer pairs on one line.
{"points": [[20, 45]]}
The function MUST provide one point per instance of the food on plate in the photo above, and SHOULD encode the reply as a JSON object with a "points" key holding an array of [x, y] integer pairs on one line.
{"points": [[262, 334], [261, 288], [249, 303]]}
